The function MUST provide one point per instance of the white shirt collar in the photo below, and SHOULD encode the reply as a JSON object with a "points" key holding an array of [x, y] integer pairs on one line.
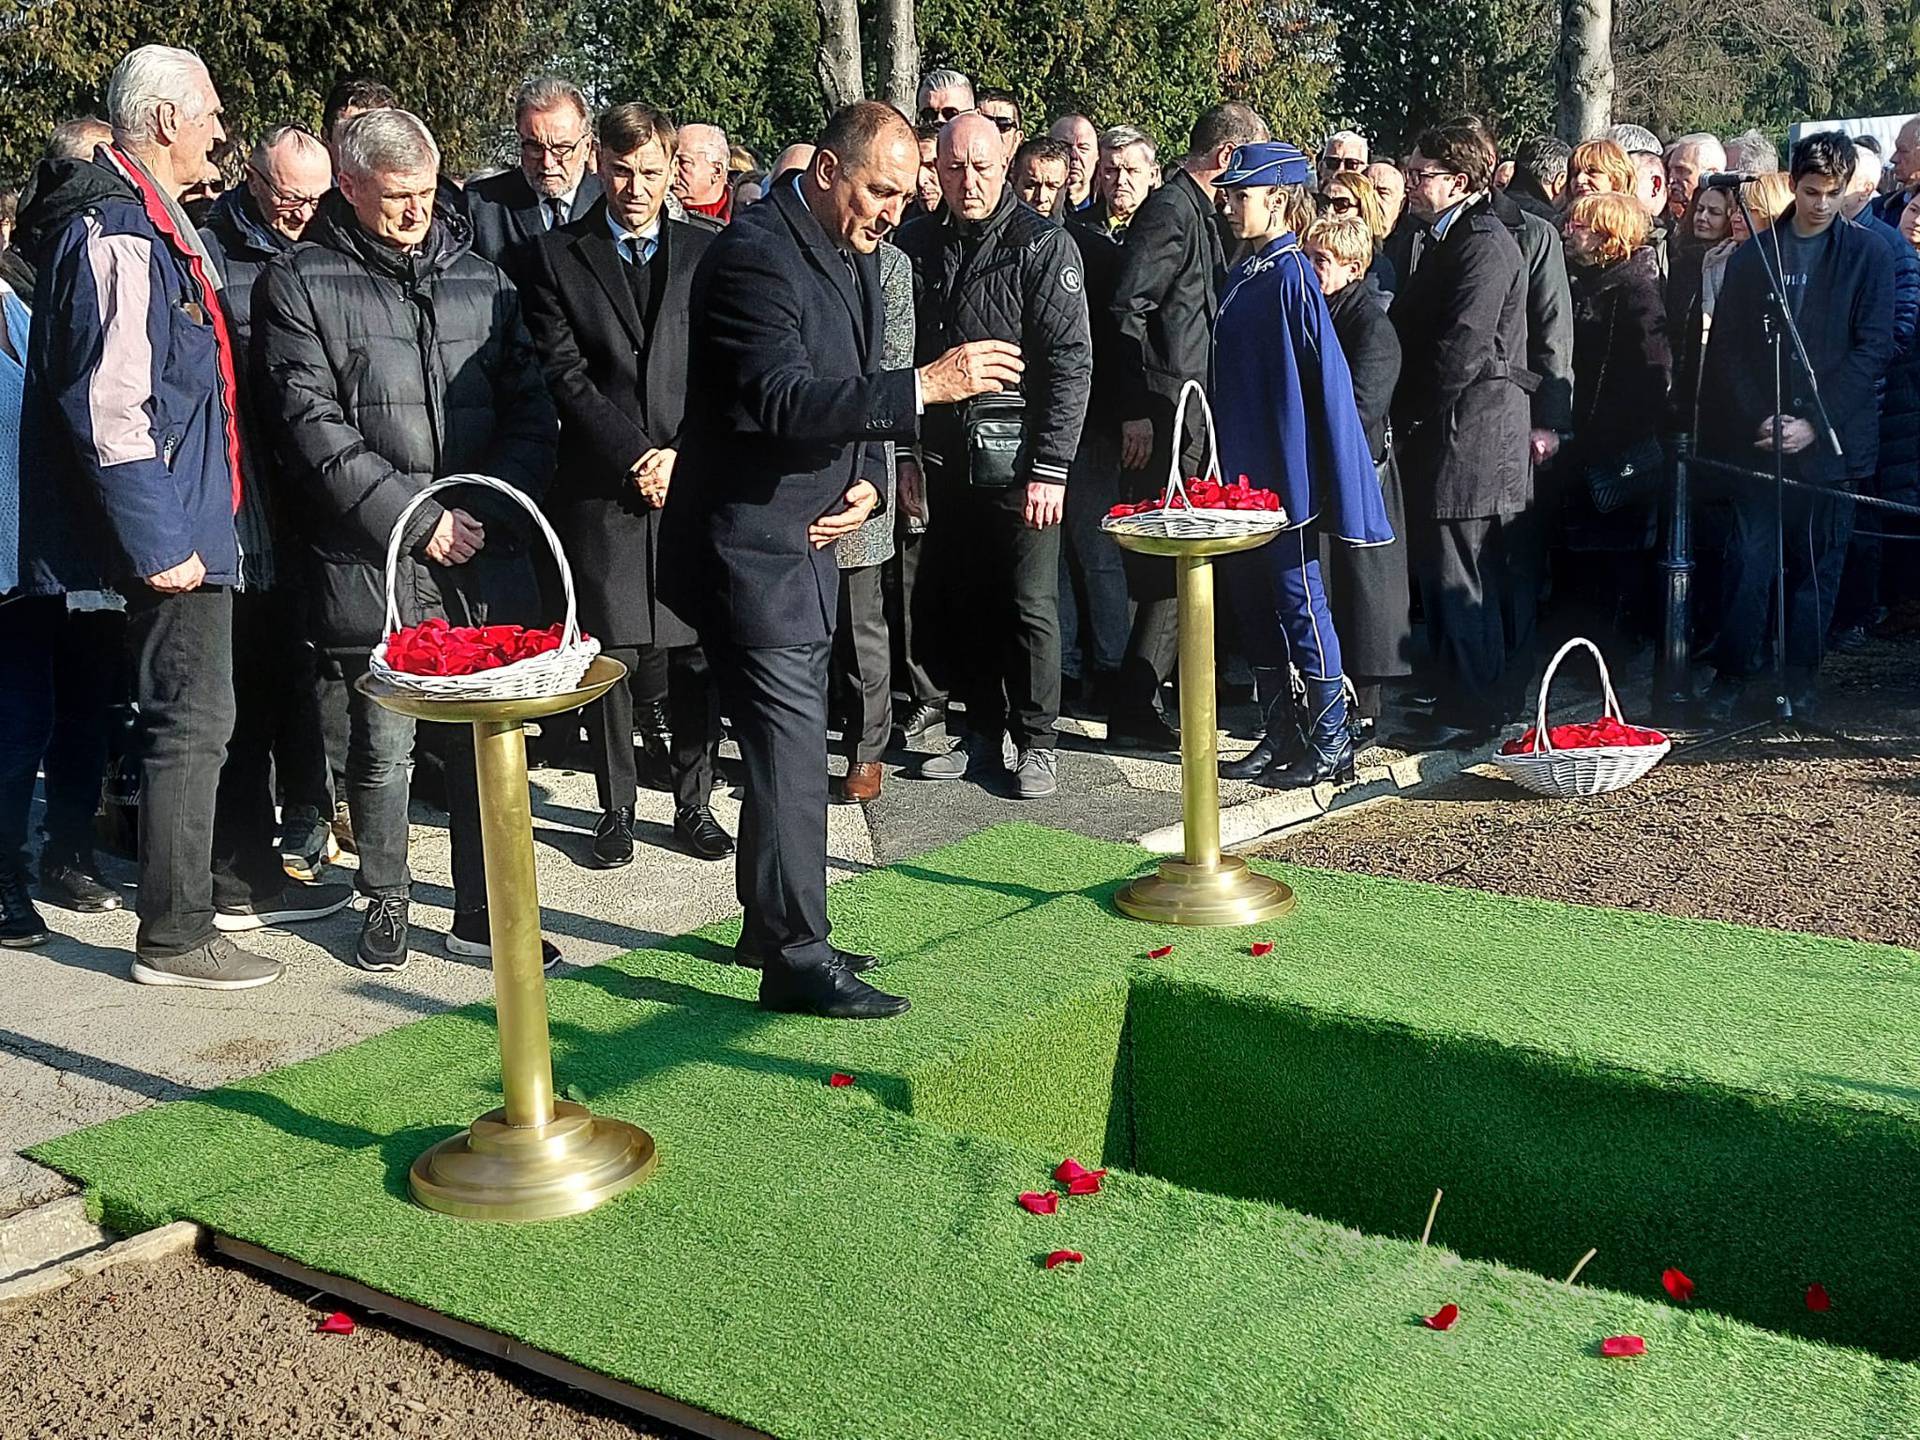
{"points": [[621, 234]]}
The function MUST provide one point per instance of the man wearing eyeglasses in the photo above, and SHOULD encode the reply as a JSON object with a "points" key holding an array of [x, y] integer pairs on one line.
{"points": [[1461, 422], [277, 728], [944, 94], [1344, 150], [553, 185]]}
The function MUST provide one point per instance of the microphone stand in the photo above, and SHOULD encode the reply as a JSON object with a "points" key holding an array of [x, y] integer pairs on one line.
{"points": [[1780, 327]]}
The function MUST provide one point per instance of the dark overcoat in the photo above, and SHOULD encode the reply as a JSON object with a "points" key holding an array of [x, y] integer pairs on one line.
{"points": [[619, 380]]}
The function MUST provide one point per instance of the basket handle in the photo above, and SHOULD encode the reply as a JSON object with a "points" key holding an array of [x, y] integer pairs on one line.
{"points": [[1543, 743], [570, 631], [1175, 485]]}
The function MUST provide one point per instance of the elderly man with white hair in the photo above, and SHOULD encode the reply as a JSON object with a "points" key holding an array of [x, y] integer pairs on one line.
{"points": [[1343, 150], [700, 172], [1689, 160], [131, 468], [390, 355]]}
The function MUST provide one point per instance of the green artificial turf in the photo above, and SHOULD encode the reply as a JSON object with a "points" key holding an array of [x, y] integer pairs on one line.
{"points": [[850, 1263]]}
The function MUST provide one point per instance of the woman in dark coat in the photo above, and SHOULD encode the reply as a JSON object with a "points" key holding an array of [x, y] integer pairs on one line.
{"points": [[1622, 364], [1367, 587]]}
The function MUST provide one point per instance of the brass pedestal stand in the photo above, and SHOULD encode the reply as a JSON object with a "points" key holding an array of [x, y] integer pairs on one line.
{"points": [[535, 1157], [1204, 887]]}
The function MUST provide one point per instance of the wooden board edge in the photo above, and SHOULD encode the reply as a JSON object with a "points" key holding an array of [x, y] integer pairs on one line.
{"points": [[642, 1401]]}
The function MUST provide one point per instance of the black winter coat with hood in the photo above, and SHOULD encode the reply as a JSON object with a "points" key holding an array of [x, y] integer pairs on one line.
{"points": [[380, 371]]}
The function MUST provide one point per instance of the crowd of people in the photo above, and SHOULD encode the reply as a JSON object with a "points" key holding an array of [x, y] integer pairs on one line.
{"points": [[227, 370]]}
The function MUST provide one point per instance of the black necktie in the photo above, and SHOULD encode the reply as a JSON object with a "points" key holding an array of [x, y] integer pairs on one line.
{"points": [[557, 207]]}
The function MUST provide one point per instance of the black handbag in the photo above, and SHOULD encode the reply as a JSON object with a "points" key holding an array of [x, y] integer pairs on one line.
{"points": [[996, 433], [1633, 476]]}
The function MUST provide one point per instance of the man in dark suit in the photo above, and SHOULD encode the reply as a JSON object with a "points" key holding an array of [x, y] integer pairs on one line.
{"points": [[1163, 308], [787, 409], [607, 301], [1461, 425], [553, 184]]}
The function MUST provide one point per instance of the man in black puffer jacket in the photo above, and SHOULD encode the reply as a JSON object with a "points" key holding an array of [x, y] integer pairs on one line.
{"points": [[387, 355], [988, 268]]}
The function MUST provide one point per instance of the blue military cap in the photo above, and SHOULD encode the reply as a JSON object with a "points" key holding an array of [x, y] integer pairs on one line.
{"points": [[1269, 162]]}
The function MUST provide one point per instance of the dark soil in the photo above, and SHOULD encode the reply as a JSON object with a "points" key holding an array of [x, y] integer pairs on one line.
{"points": [[187, 1349], [1799, 828]]}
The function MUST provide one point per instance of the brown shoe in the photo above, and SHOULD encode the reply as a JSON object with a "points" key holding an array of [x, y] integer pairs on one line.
{"points": [[860, 785]]}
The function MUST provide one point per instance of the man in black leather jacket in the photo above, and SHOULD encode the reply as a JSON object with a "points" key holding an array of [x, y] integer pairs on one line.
{"points": [[988, 268]]}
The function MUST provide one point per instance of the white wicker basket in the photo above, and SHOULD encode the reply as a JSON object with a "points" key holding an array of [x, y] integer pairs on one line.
{"points": [[1185, 522], [551, 673], [1594, 770]]}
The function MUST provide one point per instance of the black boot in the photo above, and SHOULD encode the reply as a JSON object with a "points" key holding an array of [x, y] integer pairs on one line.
{"points": [[1329, 744], [1280, 743]]}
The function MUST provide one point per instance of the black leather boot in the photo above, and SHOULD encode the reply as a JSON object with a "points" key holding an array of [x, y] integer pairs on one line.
{"points": [[1329, 744], [1280, 742]]}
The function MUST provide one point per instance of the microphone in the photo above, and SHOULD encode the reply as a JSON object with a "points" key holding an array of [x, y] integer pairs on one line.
{"points": [[1724, 180]]}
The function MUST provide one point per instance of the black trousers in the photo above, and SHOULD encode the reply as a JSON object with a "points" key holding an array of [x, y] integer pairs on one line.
{"points": [[1464, 575], [1007, 648], [693, 718], [183, 683], [862, 671], [88, 653], [276, 728], [1816, 531], [776, 697], [912, 618]]}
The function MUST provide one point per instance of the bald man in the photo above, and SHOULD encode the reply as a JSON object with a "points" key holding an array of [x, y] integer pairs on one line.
{"points": [[1082, 140], [988, 268]]}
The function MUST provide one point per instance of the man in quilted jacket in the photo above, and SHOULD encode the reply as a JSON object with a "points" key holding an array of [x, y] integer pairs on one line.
{"points": [[988, 268]]}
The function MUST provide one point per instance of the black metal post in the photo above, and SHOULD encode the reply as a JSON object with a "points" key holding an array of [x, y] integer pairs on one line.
{"points": [[1673, 666]]}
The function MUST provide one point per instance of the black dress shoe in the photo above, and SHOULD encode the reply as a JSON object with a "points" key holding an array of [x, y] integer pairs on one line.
{"points": [[833, 993], [700, 834], [1430, 734], [613, 839], [20, 924], [845, 959], [922, 718], [73, 885], [1148, 731]]}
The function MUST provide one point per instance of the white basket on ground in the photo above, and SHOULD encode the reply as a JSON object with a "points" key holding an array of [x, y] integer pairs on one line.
{"points": [[1167, 522], [551, 673], [1592, 770]]}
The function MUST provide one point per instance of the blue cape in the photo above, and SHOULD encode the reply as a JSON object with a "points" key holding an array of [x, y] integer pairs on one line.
{"points": [[1283, 399]]}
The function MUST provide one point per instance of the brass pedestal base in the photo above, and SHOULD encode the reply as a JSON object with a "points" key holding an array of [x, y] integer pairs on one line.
{"points": [[1224, 893], [497, 1171]]}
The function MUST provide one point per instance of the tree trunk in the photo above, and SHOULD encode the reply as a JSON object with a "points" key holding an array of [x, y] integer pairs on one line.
{"points": [[840, 78], [1584, 70], [899, 55]]}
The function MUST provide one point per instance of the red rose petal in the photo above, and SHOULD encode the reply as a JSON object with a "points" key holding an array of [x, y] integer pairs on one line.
{"points": [[1069, 1169], [1616, 1346], [338, 1323], [1040, 1202], [1261, 947], [1161, 953], [1443, 1318], [1064, 1257], [1817, 1297], [839, 1080], [1086, 1183], [1678, 1285]]}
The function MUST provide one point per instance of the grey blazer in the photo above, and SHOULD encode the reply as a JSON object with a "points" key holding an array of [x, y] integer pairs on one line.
{"points": [[872, 543]]}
